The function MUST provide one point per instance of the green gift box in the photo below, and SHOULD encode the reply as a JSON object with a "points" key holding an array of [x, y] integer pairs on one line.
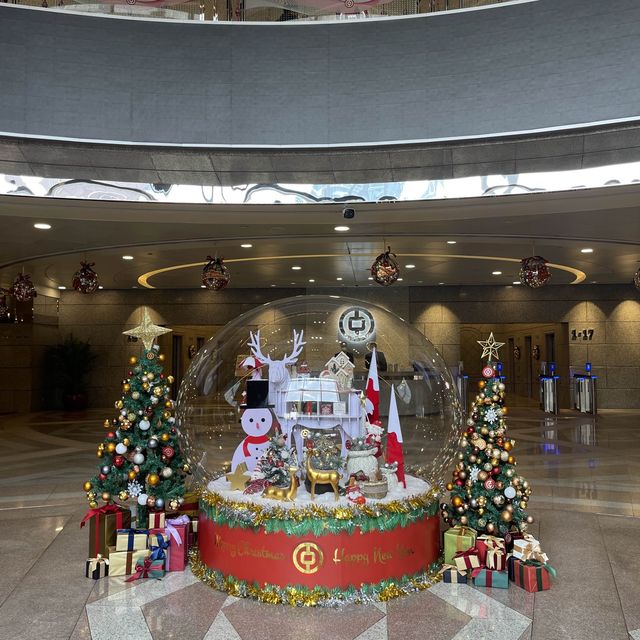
{"points": [[458, 539], [491, 578]]}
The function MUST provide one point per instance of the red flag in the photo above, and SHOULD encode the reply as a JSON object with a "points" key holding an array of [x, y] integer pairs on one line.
{"points": [[373, 390], [395, 452]]}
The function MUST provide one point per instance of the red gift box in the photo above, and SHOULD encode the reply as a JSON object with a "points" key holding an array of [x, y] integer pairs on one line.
{"points": [[468, 559], [178, 530], [492, 553], [532, 575], [156, 519]]}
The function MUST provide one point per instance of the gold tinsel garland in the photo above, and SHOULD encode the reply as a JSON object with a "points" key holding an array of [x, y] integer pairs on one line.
{"points": [[318, 596], [260, 514]]}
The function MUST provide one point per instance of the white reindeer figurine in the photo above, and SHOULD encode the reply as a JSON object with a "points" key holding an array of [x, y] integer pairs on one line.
{"points": [[278, 373]]}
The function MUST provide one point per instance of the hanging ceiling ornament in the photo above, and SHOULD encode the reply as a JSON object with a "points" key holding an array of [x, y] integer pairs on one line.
{"points": [[385, 269], [85, 280], [22, 289], [636, 279], [215, 275], [534, 272]]}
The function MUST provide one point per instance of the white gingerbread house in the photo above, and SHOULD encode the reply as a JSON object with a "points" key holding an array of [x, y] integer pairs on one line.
{"points": [[341, 370]]}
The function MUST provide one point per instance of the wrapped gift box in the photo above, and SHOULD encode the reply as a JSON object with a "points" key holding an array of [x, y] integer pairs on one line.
{"points": [[458, 539], [97, 568], [532, 575], [490, 578], [510, 567], [158, 544], [467, 560], [147, 568], [452, 575], [131, 539], [103, 524], [123, 563], [485, 543], [528, 548], [178, 530], [157, 519]]}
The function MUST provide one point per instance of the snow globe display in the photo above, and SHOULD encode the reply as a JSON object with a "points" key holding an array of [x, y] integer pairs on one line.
{"points": [[308, 420]]}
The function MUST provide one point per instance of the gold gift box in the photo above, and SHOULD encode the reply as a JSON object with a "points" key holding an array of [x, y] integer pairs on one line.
{"points": [[122, 540], [123, 563]]}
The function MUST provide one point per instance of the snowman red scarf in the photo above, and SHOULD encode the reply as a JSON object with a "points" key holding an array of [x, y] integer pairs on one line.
{"points": [[253, 440]]}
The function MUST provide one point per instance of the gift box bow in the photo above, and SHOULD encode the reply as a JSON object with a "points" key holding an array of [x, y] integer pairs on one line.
{"points": [[176, 522], [529, 549], [149, 569], [105, 509], [469, 559], [158, 551], [491, 542]]}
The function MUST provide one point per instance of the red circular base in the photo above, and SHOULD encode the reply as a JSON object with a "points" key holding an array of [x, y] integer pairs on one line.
{"points": [[333, 560]]}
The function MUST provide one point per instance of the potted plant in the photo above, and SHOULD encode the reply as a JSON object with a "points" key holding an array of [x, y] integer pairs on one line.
{"points": [[69, 364]]}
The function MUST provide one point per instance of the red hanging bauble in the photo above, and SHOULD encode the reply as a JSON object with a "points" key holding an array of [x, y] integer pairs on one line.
{"points": [[215, 275], [534, 272], [22, 289], [85, 280], [385, 269], [168, 452]]}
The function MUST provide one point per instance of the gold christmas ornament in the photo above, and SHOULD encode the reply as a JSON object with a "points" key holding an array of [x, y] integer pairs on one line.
{"points": [[93, 505], [166, 415], [131, 475], [106, 496], [126, 387], [151, 375], [87, 486], [164, 437], [161, 357], [153, 479], [126, 442], [99, 453], [157, 392], [456, 501], [111, 447], [145, 386], [133, 360], [168, 404], [170, 379], [146, 330], [119, 404], [106, 424], [123, 495]]}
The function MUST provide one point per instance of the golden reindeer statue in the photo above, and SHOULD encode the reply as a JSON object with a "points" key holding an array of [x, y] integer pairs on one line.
{"points": [[287, 494], [323, 477]]}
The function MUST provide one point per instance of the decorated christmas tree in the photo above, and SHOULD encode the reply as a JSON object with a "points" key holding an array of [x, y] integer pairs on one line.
{"points": [[487, 493], [274, 462], [140, 456]]}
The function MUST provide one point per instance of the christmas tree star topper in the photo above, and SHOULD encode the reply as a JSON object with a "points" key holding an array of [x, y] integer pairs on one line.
{"points": [[490, 347], [146, 330]]}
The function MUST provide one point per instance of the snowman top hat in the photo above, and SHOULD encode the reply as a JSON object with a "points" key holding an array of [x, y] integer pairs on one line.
{"points": [[257, 395]]}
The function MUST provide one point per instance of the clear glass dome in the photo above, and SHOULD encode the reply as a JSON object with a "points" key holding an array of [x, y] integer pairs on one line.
{"points": [[311, 389]]}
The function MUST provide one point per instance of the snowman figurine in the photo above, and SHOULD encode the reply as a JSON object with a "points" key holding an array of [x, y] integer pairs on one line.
{"points": [[256, 421]]}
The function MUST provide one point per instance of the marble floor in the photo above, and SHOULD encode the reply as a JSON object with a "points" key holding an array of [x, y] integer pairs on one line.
{"points": [[585, 474]]}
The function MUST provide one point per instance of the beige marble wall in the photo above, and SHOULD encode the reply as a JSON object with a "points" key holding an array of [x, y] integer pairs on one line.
{"points": [[613, 312]]}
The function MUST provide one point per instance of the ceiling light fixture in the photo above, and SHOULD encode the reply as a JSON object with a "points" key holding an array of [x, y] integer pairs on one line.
{"points": [[203, 286], [100, 286], [311, 280], [400, 279], [246, 245], [409, 266], [369, 278], [296, 268], [273, 285], [338, 279], [496, 273], [586, 250], [341, 227], [440, 282], [451, 241], [516, 282], [127, 257], [42, 225], [62, 287]]}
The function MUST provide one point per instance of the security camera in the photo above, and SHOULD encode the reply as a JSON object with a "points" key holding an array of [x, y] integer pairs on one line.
{"points": [[349, 213]]}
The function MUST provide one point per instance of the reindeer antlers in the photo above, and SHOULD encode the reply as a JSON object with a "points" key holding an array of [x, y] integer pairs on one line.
{"points": [[298, 343]]}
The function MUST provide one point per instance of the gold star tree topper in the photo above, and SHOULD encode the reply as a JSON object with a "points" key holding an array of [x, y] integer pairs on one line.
{"points": [[490, 347], [146, 330]]}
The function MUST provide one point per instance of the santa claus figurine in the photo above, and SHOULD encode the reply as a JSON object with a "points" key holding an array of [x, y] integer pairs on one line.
{"points": [[374, 436]]}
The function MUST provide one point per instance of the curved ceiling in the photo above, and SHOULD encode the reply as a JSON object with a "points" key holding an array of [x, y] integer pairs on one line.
{"points": [[491, 234]]}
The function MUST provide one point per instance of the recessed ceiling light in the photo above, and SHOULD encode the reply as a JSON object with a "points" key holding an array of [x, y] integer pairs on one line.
{"points": [[293, 283], [100, 286], [127, 257], [42, 225], [203, 286], [451, 241], [409, 266], [62, 287], [516, 282], [338, 279], [341, 227], [400, 279], [296, 268], [440, 282], [370, 278], [246, 245], [311, 280], [496, 273], [273, 285], [586, 250]]}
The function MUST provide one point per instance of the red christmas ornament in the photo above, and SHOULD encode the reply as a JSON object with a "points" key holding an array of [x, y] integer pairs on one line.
{"points": [[488, 372], [534, 272], [385, 269], [118, 461], [85, 280], [489, 484], [168, 452], [22, 289], [459, 482], [111, 435], [215, 275], [470, 430], [102, 476]]}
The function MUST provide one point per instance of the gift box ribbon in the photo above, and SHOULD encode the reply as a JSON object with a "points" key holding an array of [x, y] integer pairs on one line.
{"points": [[461, 533], [531, 550], [171, 527], [158, 551], [470, 558], [146, 570], [495, 559], [105, 509]]}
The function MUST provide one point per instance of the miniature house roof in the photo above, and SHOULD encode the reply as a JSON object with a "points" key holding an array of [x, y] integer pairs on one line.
{"points": [[340, 362]]}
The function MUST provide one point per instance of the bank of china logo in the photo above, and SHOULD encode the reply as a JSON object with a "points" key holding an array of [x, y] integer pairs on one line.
{"points": [[307, 557], [356, 325]]}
